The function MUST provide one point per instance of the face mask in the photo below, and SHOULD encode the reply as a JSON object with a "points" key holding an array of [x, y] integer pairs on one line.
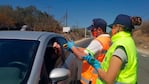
{"points": [[94, 33]]}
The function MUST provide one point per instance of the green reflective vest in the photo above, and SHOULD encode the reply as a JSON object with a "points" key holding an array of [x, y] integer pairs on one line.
{"points": [[127, 75]]}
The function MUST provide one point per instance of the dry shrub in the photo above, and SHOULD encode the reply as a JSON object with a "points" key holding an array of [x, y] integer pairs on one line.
{"points": [[145, 27]]}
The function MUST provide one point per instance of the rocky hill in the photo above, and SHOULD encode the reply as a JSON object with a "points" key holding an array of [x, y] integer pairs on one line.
{"points": [[141, 37]]}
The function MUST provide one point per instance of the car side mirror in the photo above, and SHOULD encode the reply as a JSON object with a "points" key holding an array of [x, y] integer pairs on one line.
{"points": [[59, 74]]}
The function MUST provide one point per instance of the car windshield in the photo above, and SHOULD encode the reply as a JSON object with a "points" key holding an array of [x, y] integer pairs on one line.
{"points": [[15, 59]]}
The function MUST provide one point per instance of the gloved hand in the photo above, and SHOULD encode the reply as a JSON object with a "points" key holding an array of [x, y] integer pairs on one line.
{"points": [[69, 44], [92, 61]]}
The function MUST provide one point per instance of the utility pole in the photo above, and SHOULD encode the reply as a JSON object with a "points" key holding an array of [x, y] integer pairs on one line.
{"points": [[66, 17], [85, 32]]}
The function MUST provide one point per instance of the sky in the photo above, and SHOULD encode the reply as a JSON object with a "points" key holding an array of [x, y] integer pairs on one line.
{"points": [[81, 12]]}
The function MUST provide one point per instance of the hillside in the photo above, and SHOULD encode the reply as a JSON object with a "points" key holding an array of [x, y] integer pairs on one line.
{"points": [[141, 37]]}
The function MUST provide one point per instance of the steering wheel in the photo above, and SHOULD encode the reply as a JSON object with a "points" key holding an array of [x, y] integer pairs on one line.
{"points": [[18, 64]]}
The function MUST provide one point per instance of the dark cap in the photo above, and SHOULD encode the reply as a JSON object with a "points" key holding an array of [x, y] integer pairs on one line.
{"points": [[98, 22], [124, 20], [90, 27]]}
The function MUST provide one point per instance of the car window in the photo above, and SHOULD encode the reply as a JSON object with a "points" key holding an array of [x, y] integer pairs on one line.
{"points": [[51, 60], [63, 41], [16, 55], [52, 55], [65, 53], [48, 64]]}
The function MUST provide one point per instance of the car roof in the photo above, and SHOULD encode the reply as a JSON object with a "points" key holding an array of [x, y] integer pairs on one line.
{"points": [[30, 35]]}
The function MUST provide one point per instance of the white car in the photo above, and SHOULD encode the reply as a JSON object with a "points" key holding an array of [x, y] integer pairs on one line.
{"points": [[27, 57]]}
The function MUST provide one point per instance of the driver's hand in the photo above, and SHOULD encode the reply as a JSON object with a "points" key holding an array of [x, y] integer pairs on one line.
{"points": [[57, 48]]}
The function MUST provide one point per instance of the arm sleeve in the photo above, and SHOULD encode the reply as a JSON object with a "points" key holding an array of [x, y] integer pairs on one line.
{"points": [[93, 47], [120, 52]]}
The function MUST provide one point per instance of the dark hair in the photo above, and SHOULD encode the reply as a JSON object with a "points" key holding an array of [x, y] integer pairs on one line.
{"points": [[136, 20]]}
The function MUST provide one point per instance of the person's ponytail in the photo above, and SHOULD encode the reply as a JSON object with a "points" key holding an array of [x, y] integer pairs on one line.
{"points": [[136, 20]]}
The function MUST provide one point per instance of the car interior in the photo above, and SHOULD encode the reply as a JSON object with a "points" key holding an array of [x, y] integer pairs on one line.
{"points": [[14, 61]]}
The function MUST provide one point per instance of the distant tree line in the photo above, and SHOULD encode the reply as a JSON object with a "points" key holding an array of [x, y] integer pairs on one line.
{"points": [[14, 18]]}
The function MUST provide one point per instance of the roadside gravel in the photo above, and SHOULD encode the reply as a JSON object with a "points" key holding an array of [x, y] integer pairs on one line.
{"points": [[143, 51]]}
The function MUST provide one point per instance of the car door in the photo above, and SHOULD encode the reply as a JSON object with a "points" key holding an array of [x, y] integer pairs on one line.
{"points": [[52, 59], [71, 63]]}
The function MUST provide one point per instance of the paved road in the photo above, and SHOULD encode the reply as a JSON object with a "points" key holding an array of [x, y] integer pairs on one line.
{"points": [[143, 71]]}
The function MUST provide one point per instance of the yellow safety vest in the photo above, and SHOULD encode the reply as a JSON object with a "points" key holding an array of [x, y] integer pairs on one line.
{"points": [[128, 75]]}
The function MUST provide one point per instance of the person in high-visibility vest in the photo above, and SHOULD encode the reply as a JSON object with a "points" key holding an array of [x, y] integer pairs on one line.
{"points": [[99, 45], [89, 75], [120, 64]]}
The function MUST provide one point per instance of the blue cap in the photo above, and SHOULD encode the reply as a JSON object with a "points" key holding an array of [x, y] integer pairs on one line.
{"points": [[98, 22], [90, 27], [124, 20]]}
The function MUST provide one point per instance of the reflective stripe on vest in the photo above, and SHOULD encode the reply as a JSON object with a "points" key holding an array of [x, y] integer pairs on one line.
{"points": [[128, 75], [88, 72]]}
